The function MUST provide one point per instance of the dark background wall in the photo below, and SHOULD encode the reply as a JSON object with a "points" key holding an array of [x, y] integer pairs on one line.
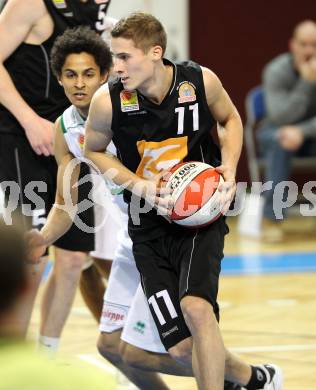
{"points": [[235, 38]]}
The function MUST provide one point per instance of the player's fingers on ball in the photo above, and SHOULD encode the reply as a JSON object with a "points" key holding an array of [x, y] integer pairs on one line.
{"points": [[223, 186], [164, 202], [225, 209], [170, 203], [164, 191], [162, 209]]}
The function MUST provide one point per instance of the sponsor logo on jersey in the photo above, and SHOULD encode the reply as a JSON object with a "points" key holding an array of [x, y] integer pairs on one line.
{"points": [[139, 327], [158, 156], [60, 4], [113, 314], [129, 101], [172, 330], [143, 112], [186, 92], [81, 141]]}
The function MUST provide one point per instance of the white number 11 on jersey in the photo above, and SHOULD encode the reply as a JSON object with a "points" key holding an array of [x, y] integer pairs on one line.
{"points": [[181, 110], [165, 296]]}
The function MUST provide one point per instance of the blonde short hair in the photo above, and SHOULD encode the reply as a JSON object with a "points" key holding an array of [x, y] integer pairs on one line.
{"points": [[143, 29]]}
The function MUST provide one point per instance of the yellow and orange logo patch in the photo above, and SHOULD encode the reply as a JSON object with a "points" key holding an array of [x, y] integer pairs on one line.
{"points": [[186, 92], [159, 156], [129, 101], [60, 4]]}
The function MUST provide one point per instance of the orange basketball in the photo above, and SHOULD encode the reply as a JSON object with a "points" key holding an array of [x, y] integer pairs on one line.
{"points": [[195, 193]]}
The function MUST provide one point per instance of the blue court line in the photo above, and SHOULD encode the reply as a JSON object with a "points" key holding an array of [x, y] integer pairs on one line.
{"points": [[269, 263], [259, 263], [47, 269]]}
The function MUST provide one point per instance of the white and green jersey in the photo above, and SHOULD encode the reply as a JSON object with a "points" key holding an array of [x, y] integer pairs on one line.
{"points": [[73, 127]]}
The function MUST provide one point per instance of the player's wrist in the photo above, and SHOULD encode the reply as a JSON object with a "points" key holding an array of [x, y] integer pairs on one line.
{"points": [[26, 118], [229, 169], [47, 236]]}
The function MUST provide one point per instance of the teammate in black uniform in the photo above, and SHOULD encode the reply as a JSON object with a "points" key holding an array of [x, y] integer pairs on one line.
{"points": [[31, 100], [159, 113]]}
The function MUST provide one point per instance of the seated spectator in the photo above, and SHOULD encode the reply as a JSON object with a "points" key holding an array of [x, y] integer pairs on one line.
{"points": [[290, 127]]}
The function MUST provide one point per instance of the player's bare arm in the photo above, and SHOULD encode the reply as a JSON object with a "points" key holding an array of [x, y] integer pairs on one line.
{"points": [[60, 217], [24, 21], [230, 131], [98, 137]]}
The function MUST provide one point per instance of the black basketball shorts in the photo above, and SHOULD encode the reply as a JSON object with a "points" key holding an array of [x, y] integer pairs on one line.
{"points": [[21, 168], [185, 262]]}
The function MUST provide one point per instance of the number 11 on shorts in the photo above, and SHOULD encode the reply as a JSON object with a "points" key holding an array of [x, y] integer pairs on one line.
{"points": [[165, 296]]}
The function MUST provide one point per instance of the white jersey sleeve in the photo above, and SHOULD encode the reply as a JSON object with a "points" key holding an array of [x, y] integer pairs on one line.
{"points": [[73, 126]]}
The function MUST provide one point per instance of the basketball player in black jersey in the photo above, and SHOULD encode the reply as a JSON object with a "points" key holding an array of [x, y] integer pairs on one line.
{"points": [[30, 101], [109, 344], [158, 114]]}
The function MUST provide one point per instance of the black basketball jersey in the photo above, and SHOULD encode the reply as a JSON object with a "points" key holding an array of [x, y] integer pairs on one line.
{"points": [[29, 65], [152, 137], [72, 13]]}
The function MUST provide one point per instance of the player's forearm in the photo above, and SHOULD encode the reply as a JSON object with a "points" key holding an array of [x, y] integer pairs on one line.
{"points": [[58, 223], [230, 136], [12, 100], [113, 169], [63, 212]]}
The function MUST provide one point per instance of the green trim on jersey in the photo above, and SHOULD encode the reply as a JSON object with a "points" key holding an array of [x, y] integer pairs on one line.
{"points": [[81, 116], [63, 124]]}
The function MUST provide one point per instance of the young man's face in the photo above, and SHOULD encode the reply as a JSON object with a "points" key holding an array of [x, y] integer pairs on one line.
{"points": [[81, 77], [131, 64]]}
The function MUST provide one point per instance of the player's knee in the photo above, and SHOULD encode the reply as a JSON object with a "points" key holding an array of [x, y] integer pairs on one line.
{"points": [[196, 311], [108, 347], [73, 261], [182, 352], [132, 356]]}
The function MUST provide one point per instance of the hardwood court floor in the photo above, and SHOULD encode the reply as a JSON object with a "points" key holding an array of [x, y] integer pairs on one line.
{"points": [[264, 317]]}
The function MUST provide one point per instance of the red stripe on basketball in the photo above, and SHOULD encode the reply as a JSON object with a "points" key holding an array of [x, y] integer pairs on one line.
{"points": [[196, 194]]}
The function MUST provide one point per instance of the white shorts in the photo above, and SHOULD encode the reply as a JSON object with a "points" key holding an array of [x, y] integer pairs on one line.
{"points": [[108, 221], [140, 329], [125, 305]]}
